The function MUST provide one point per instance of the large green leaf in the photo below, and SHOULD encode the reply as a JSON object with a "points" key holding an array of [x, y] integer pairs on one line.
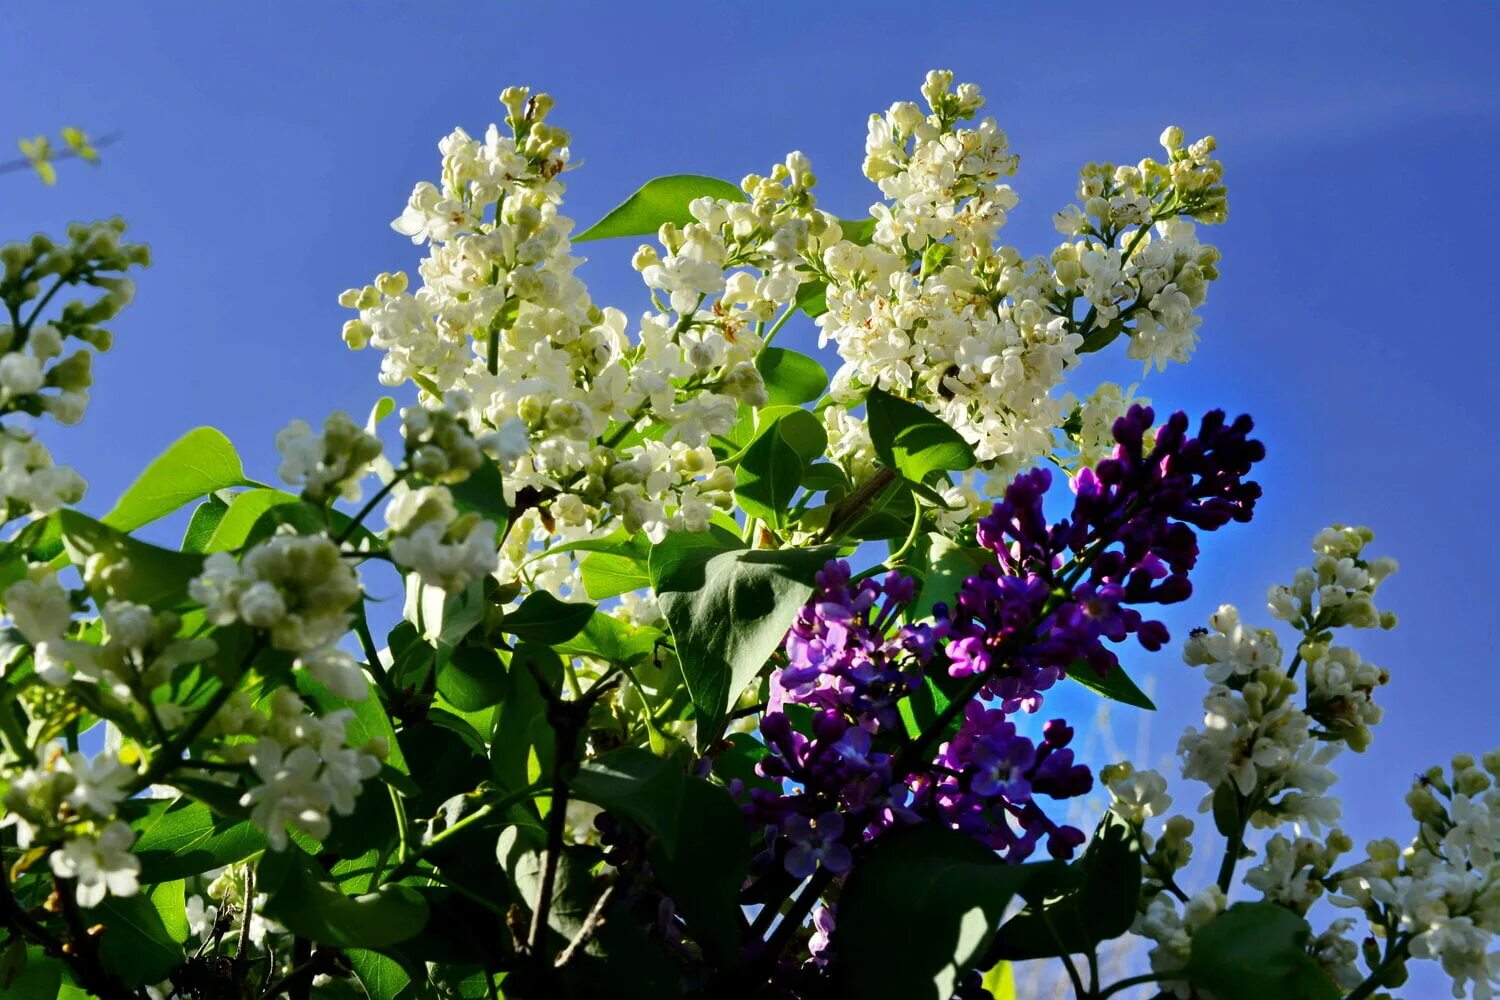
{"points": [[182, 837], [472, 678], [200, 462], [382, 977], [768, 476], [659, 201], [933, 897], [704, 875], [301, 901], [948, 565], [605, 637], [245, 509], [812, 298], [483, 493], [728, 613], [913, 441], [614, 566], [638, 785], [544, 619], [205, 519], [523, 747], [28, 973], [145, 933], [860, 231], [791, 378], [1097, 903], [1115, 685], [1256, 950], [158, 577]]}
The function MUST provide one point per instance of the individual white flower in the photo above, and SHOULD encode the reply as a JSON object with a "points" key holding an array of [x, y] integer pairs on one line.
{"points": [[99, 784], [101, 865], [1136, 795]]}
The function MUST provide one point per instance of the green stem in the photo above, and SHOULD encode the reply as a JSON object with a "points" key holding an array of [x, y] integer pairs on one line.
{"points": [[374, 502], [1395, 954], [1141, 980], [780, 322], [415, 857]]}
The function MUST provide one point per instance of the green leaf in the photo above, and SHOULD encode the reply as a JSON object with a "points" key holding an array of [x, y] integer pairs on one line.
{"points": [[950, 892], [791, 378], [812, 298], [1001, 982], [308, 906], [472, 678], [768, 476], [239, 520], [913, 441], [544, 619], [522, 749], [633, 783], [158, 577], [1100, 907], [383, 978], [200, 529], [181, 837], [704, 875], [483, 493], [728, 614], [1257, 950], [200, 462], [659, 201], [605, 637], [31, 974], [143, 942], [616, 569], [1115, 685], [860, 231], [948, 566]]}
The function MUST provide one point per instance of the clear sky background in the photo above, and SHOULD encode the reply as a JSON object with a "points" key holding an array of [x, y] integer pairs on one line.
{"points": [[266, 148]]}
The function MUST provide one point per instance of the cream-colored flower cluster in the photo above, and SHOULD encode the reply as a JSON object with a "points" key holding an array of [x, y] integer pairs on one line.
{"points": [[1266, 759]]}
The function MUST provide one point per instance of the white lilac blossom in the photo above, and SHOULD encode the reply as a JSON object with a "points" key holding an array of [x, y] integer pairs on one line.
{"points": [[100, 864], [552, 384], [29, 482], [934, 309], [306, 771], [297, 588], [1439, 898], [330, 465], [1170, 927], [430, 538]]}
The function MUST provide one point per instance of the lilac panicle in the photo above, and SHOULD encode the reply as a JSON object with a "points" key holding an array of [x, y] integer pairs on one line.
{"points": [[1057, 597]]}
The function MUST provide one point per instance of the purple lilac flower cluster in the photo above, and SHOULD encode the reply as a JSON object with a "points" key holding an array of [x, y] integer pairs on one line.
{"points": [[1052, 598]]}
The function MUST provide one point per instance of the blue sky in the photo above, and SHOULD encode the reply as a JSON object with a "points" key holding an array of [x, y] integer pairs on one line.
{"points": [[265, 151]]}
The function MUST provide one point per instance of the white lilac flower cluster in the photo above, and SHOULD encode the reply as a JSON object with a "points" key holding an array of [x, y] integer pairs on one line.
{"points": [[1264, 757], [330, 465], [70, 801], [37, 375], [1440, 896], [132, 655], [933, 309], [305, 768], [298, 590], [502, 319]]}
